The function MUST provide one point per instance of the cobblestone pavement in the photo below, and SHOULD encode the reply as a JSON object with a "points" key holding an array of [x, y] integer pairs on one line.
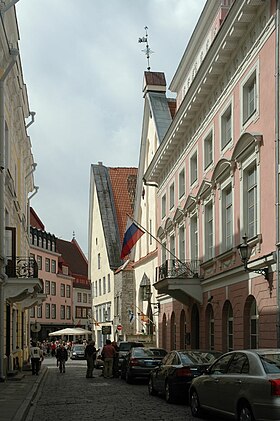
{"points": [[73, 396]]}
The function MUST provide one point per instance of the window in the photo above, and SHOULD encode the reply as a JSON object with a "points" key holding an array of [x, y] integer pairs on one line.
{"points": [[32, 312], [182, 183], [208, 150], [39, 262], [171, 196], [53, 288], [249, 97], [226, 127], [98, 261], [163, 206], [68, 291], [230, 329], [172, 246], [78, 312], [47, 287], [99, 286], [84, 298], [227, 217], [104, 285], [96, 290], [62, 290], [254, 326], [250, 201], [109, 283], [39, 312], [68, 312], [53, 266], [65, 270], [62, 312], [193, 168], [194, 238], [47, 264], [182, 255], [48, 311], [84, 313], [53, 311], [212, 330], [79, 297], [209, 231]]}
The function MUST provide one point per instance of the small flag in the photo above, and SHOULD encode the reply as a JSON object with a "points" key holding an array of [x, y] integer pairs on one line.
{"points": [[131, 236], [130, 316]]}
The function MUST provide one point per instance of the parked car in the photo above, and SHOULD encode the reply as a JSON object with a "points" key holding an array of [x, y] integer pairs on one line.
{"points": [[138, 363], [124, 348], [158, 352], [173, 376], [244, 385], [77, 352]]}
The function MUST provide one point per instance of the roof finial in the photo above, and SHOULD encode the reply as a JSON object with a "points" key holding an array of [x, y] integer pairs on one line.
{"points": [[147, 50]]}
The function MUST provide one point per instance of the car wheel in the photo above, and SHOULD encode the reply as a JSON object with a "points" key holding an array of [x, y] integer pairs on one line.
{"points": [[128, 377], [195, 405], [169, 394], [245, 413], [151, 388]]}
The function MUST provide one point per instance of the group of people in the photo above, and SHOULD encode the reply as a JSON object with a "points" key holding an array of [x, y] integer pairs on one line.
{"points": [[109, 355]]}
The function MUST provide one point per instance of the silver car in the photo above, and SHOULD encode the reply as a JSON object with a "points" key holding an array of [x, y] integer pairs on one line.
{"points": [[244, 385]]}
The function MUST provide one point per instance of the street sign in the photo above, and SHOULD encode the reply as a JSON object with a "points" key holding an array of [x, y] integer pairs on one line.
{"points": [[106, 330]]}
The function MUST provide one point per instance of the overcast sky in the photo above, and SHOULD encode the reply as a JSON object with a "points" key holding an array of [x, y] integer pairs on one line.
{"points": [[83, 67]]}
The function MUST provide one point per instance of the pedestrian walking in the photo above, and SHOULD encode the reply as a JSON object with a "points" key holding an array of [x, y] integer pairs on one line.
{"points": [[62, 357], [36, 356], [90, 354], [108, 353]]}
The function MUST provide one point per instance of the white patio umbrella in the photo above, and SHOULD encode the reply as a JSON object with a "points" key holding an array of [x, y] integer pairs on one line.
{"points": [[70, 331]]}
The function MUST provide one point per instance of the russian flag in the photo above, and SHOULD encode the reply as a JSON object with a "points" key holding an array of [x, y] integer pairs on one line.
{"points": [[131, 236]]}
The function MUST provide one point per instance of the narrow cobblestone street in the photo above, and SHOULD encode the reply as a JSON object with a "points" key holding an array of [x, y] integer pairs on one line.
{"points": [[73, 396]]}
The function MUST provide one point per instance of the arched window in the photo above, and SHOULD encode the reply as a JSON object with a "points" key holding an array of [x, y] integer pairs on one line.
{"points": [[210, 332], [227, 338], [251, 323], [163, 330]]}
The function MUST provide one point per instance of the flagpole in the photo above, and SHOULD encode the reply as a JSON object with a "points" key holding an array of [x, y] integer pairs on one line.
{"points": [[162, 245]]}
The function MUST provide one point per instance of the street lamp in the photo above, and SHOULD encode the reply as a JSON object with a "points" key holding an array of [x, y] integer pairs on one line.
{"points": [[245, 254]]}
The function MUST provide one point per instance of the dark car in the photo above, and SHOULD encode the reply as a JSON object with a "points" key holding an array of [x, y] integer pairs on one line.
{"points": [[138, 363], [77, 352], [173, 376], [240, 385], [123, 349], [158, 352]]}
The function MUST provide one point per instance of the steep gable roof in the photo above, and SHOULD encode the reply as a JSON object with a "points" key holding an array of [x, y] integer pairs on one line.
{"points": [[115, 189], [73, 256], [35, 221]]}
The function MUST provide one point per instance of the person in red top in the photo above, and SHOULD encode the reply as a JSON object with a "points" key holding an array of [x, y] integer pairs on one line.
{"points": [[108, 353]]}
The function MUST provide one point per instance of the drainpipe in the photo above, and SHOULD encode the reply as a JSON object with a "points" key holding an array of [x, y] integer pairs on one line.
{"points": [[3, 260], [277, 164], [32, 114]]}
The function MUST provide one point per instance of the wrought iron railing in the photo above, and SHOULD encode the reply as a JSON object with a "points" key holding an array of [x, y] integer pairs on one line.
{"points": [[173, 268], [22, 267]]}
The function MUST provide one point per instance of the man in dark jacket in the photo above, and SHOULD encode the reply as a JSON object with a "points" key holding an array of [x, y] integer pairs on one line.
{"points": [[90, 354], [62, 357]]}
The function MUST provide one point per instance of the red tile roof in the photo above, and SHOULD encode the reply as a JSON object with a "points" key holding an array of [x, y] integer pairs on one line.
{"points": [[73, 256], [35, 221], [123, 181]]}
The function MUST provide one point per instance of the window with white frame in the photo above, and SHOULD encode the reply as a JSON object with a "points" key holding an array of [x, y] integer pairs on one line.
{"points": [[99, 287], [209, 231], [84, 297], [39, 262], [62, 311], [48, 311], [226, 127], [47, 264], [62, 290], [68, 291], [227, 215], [104, 285], [171, 196], [39, 312], [172, 246], [208, 150], [163, 206], [182, 183], [249, 92], [250, 200], [32, 312], [79, 297], [109, 282], [98, 261], [193, 168], [47, 287], [182, 252], [53, 268], [53, 288], [53, 311], [96, 289], [68, 312], [254, 326], [194, 237]]}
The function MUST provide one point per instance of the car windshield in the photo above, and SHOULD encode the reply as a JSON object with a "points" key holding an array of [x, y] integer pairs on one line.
{"points": [[196, 357], [78, 348], [271, 362], [142, 353], [159, 352]]}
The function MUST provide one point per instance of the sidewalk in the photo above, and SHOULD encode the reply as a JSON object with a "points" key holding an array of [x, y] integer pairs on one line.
{"points": [[16, 396]]}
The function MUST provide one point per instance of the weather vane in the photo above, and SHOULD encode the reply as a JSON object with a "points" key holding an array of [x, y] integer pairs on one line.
{"points": [[147, 50]]}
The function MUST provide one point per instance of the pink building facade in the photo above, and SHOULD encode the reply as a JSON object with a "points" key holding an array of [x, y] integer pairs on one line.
{"points": [[217, 176]]}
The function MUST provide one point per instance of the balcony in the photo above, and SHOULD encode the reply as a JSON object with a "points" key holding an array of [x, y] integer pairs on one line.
{"points": [[180, 279], [23, 285]]}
